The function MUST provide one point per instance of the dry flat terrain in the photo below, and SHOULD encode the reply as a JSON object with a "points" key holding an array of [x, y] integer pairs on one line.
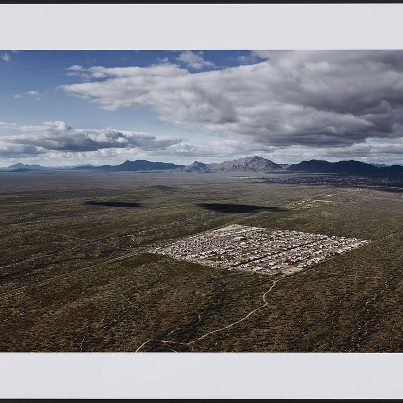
{"points": [[76, 274]]}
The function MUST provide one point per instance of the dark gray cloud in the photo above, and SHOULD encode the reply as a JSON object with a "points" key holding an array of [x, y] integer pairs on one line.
{"points": [[19, 151], [57, 136], [307, 98]]}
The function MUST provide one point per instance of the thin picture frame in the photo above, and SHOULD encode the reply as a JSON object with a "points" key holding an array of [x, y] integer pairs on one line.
{"points": [[201, 26]]}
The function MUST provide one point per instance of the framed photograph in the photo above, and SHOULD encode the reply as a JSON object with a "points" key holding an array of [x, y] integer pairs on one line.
{"points": [[201, 201]]}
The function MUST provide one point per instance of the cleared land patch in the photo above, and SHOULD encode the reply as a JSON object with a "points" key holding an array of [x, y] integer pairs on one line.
{"points": [[258, 250]]}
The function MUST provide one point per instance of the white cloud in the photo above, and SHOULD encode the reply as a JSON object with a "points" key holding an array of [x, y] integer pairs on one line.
{"points": [[75, 67], [7, 125], [6, 57], [31, 93], [77, 70], [251, 58], [194, 60]]}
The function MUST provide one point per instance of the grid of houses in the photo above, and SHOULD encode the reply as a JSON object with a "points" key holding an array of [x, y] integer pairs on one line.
{"points": [[239, 247]]}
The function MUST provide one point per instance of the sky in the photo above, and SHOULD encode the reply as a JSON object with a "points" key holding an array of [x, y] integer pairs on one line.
{"points": [[66, 108]]}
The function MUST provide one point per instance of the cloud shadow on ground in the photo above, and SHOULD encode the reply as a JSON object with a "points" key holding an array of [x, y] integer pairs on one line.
{"points": [[237, 208]]}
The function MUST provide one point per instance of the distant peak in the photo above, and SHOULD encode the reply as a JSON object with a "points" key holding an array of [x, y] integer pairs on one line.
{"points": [[257, 157]]}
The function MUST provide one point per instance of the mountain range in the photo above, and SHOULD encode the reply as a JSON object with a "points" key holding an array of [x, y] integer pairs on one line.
{"points": [[248, 164], [138, 165], [349, 167], [25, 167], [259, 164]]}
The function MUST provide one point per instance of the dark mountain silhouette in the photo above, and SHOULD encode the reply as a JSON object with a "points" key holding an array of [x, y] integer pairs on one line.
{"points": [[341, 167], [311, 166], [196, 167], [138, 165], [392, 170], [350, 167], [27, 167]]}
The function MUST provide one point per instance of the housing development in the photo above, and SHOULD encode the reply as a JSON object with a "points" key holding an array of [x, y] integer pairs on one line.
{"points": [[258, 250]]}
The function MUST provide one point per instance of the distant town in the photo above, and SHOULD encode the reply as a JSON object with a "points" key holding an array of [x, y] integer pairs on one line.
{"points": [[258, 250]]}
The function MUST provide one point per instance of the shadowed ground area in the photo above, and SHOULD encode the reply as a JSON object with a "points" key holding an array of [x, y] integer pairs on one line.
{"points": [[111, 203], [236, 208]]}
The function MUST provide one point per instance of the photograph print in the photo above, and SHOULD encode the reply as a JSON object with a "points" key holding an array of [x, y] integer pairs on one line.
{"points": [[201, 201]]}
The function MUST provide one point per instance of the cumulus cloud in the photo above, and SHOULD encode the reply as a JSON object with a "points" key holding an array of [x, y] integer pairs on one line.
{"points": [[194, 60], [75, 67], [60, 137], [322, 99], [77, 70]]}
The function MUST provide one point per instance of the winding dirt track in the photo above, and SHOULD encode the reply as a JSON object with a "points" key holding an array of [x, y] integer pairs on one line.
{"points": [[265, 303], [142, 345], [242, 319]]}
